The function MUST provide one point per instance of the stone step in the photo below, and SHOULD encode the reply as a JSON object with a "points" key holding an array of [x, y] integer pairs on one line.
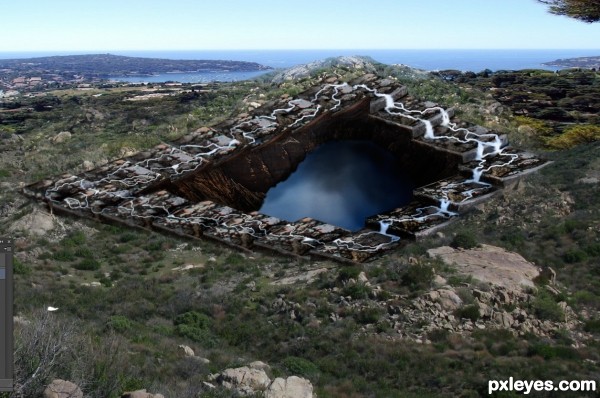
{"points": [[460, 192], [466, 152], [358, 247], [412, 124], [379, 103], [502, 169], [413, 221]]}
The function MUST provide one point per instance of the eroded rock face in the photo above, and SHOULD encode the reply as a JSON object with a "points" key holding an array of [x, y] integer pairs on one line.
{"points": [[490, 264]]}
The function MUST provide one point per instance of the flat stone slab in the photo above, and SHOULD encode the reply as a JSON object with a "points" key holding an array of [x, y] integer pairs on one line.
{"points": [[490, 264]]}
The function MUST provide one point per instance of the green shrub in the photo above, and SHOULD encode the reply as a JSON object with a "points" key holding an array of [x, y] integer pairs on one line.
{"points": [[593, 249], [465, 240], [553, 351], [585, 297], [438, 335], [119, 323], [357, 291], [63, 255], [417, 277], [84, 252], [592, 326], [195, 326], [300, 366], [234, 259], [468, 312], [88, 264], [127, 237], [575, 256], [368, 315], [200, 336], [194, 319], [348, 272], [19, 268], [545, 307], [74, 239]]}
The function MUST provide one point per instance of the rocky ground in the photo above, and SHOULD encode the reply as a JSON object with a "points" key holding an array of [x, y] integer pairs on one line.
{"points": [[509, 289]]}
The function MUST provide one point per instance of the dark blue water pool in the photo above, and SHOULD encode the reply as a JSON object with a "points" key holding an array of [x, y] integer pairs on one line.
{"points": [[341, 183]]}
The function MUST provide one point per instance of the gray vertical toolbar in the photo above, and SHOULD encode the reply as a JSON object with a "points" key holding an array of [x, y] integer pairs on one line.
{"points": [[6, 315]]}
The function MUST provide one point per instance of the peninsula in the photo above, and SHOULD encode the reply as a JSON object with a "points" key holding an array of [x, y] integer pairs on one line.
{"points": [[580, 62], [101, 66]]}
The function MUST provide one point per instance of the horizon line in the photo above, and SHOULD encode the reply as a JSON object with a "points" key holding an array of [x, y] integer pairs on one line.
{"points": [[105, 51]]}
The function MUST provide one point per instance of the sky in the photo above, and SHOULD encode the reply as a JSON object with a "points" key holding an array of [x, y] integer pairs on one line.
{"points": [[117, 25]]}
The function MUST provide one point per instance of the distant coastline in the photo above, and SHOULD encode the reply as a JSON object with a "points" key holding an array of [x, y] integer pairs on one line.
{"points": [[184, 67], [580, 62], [103, 66]]}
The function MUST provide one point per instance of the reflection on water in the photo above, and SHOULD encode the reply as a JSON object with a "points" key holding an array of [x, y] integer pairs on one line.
{"points": [[341, 183]]}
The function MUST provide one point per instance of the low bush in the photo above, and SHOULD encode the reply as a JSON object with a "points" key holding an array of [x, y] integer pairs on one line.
{"points": [[545, 307], [195, 326], [19, 268], [87, 264], [417, 277], [347, 273], [464, 240], [119, 323], [301, 367], [468, 312]]}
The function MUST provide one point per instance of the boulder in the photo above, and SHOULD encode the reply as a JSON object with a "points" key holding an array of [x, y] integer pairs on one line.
{"points": [[292, 387], [187, 351], [141, 394], [504, 319], [87, 165], [446, 298], [439, 281], [61, 137], [62, 389], [362, 278], [244, 378], [259, 365], [484, 297]]}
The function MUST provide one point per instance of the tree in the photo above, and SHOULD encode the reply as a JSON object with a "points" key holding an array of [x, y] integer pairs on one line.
{"points": [[584, 10]]}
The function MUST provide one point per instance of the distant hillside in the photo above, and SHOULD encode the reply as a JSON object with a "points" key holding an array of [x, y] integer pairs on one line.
{"points": [[104, 65], [581, 62]]}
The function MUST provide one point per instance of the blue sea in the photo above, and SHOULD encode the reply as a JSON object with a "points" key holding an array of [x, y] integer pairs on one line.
{"points": [[473, 60]]}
